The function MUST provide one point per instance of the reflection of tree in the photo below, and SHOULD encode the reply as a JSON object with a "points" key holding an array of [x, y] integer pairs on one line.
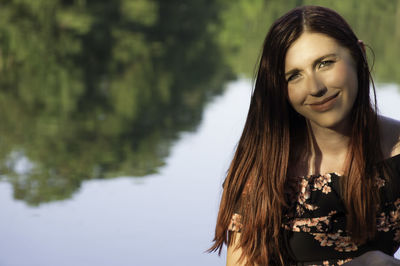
{"points": [[98, 89], [91, 89]]}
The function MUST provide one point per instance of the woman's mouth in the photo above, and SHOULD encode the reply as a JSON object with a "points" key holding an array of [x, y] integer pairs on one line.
{"points": [[325, 104]]}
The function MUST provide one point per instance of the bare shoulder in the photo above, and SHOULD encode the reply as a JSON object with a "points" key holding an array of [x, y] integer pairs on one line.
{"points": [[390, 136]]}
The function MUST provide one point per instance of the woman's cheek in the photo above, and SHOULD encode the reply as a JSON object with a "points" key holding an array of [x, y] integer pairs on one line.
{"points": [[296, 96], [342, 76]]}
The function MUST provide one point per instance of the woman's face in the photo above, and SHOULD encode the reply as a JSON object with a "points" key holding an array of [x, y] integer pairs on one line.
{"points": [[322, 79]]}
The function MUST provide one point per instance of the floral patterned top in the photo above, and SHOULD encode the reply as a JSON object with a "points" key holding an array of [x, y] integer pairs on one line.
{"points": [[315, 227]]}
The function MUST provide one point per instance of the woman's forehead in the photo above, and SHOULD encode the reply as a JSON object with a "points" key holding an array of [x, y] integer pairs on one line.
{"points": [[309, 47]]}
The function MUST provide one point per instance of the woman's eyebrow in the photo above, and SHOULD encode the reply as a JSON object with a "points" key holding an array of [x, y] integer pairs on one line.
{"points": [[316, 61]]}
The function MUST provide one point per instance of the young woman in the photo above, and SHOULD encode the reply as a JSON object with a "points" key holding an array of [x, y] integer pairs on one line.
{"points": [[315, 179]]}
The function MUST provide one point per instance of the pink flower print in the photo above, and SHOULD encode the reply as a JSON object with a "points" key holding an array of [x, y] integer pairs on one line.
{"points": [[382, 223], [395, 216], [379, 182], [321, 183], [310, 207], [326, 189], [397, 203], [341, 243], [341, 262], [236, 223], [332, 213], [397, 235]]}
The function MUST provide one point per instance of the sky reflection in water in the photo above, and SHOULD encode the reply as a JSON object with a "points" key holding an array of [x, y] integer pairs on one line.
{"points": [[164, 219]]}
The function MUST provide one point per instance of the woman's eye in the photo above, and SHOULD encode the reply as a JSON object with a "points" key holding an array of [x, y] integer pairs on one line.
{"points": [[325, 63], [293, 77]]}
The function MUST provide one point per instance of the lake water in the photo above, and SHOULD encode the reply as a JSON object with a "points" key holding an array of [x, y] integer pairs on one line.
{"points": [[162, 219]]}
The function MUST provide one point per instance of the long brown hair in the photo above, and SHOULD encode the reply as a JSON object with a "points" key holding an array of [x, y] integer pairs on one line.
{"points": [[257, 176]]}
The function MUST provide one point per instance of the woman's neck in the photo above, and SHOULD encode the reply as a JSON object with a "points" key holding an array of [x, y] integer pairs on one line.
{"points": [[329, 148]]}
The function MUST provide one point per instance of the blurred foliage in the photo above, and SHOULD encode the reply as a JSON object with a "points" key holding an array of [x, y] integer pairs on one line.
{"points": [[100, 89], [377, 23]]}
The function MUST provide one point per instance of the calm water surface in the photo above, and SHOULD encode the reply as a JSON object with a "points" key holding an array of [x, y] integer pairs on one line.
{"points": [[163, 219]]}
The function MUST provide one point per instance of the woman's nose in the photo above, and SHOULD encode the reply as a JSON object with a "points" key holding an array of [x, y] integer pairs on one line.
{"points": [[316, 87]]}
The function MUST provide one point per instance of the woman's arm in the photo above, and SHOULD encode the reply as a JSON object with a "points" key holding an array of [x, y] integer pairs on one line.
{"points": [[234, 253]]}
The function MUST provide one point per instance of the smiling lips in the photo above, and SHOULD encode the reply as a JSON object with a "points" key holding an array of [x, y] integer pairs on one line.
{"points": [[325, 104]]}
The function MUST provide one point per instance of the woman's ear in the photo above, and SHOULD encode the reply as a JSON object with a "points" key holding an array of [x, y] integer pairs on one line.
{"points": [[362, 45]]}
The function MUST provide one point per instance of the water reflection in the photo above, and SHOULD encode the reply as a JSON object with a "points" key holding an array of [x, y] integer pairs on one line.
{"points": [[95, 90], [118, 222], [100, 90]]}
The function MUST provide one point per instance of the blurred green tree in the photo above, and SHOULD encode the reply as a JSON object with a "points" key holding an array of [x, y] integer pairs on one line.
{"points": [[93, 89]]}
